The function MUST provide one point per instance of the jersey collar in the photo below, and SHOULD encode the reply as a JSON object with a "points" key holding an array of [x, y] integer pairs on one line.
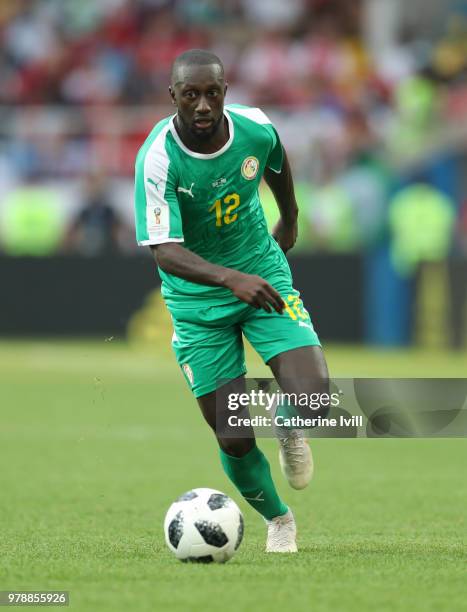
{"points": [[204, 155]]}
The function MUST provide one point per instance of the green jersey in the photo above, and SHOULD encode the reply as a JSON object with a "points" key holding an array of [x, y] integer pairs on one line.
{"points": [[209, 202]]}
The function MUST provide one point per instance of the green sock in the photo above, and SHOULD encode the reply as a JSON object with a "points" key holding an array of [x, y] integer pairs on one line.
{"points": [[252, 477]]}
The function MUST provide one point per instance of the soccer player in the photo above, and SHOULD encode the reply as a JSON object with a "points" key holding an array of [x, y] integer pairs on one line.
{"points": [[223, 275]]}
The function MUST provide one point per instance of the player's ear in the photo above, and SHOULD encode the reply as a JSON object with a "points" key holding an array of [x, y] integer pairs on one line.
{"points": [[226, 86], [172, 95]]}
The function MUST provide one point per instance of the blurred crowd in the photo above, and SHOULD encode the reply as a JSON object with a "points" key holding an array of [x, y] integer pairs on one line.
{"points": [[83, 83], [298, 54], [120, 51]]}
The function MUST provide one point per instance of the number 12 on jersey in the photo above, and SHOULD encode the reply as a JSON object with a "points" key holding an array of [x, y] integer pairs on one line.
{"points": [[225, 217]]}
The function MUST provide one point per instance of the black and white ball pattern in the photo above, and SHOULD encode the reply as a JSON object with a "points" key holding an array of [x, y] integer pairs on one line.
{"points": [[204, 525]]}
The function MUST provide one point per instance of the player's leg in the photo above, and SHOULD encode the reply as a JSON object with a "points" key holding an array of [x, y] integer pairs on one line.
{"points": [[242, 460], [209, 350], [249, 470], [299, 371], [302, 370], [290, 346]]}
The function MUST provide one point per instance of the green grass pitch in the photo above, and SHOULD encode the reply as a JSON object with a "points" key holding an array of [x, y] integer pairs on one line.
{"points": [[98, 438]]}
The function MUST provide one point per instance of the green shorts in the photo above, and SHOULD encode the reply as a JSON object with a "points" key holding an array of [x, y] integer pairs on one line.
{"points": [[208, 341]]}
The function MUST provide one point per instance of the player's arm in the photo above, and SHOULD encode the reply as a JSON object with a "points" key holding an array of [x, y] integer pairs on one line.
{"points": [[175, 259], [281, 184]]}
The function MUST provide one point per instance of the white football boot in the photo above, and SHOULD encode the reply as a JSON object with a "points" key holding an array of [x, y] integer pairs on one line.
{"points": [[282, 533], [295, 457]]}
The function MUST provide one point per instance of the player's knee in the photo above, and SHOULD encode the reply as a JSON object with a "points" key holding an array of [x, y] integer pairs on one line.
{"points": [[323, 399], [319, 400], [236, 447]]}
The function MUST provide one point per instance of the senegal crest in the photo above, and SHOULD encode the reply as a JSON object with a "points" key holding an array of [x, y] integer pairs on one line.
{"points": [[250, 167]]}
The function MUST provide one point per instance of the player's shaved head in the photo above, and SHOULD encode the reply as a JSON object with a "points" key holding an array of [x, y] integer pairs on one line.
{"points": [[191, 58]]}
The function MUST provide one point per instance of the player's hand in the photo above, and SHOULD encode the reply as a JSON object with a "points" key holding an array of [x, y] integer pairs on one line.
{"points": [[285, 234], [255, 291]]}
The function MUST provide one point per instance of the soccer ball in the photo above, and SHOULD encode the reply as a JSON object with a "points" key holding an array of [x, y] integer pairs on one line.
{"points": [[203, 525]]}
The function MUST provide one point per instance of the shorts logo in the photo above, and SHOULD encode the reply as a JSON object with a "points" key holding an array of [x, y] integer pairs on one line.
{"points": [[188, 372], [157, 215], [250, 168]]}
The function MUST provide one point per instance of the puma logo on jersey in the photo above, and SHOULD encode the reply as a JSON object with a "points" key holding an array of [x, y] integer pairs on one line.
{"points": [[156, 185], [187, 191], [302, 324]]}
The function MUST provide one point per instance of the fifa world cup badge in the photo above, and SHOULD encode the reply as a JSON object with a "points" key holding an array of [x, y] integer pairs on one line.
{"points": [[250, 168], [157, 214]]}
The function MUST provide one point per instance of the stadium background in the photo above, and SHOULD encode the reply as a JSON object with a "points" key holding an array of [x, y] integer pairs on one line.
{"points": [[370, 99], [96, 425]]}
